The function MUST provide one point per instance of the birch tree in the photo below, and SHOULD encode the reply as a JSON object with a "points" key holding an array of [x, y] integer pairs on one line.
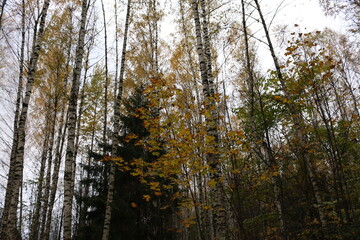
{"points": [[69, 176], [212, 157], [3, 3], [106, 91], [61, 95], [9, 220]]}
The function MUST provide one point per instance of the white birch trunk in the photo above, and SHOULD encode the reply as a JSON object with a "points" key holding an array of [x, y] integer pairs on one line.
{"points": [[9, 224], [17, 113], [61, 132], [204, 53], [69, 176], [34, 229], [45, 203], [2, 12]]}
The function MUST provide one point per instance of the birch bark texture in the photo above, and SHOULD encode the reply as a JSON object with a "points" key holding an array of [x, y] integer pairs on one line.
{"points": [[212, 157], [9, 229], [3, 3], [69, 176], [61, 132], [34, 229], [17, 111]]}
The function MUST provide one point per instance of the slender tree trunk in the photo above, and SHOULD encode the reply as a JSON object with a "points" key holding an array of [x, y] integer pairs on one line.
{"points": [[2, 12], [82, 99], [266, 146], [106, 80], [81, 109], [156, 37], [189, 56], [276, 177], [16, 117], [45, 204], [61, 225], [39, 230], [69, 176], [61, 132], [21, 208], [207, 54], [324, 110], [116, 50], [298, 125], [151, 36], [80, 114], [342, 152], [83, 208], [35, 223], [9, 224], [204, 53], [238, 206], [116, 125], [204, 231], [55, 177]]}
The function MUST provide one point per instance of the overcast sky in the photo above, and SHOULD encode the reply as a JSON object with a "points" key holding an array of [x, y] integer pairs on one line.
{"points": [[306, 13]]}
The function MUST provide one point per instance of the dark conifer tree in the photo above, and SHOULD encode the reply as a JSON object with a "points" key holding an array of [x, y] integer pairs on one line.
{"points": [[133, 216]]}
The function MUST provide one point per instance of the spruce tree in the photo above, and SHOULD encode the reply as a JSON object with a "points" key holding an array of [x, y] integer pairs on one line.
{"points": [[133, 215]]}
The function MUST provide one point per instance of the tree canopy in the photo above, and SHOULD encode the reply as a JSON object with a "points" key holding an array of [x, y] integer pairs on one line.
{"points": [[158, 120]]}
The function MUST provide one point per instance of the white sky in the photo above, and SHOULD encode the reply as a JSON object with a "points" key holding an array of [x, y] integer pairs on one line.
{"points": [[306, 13]]}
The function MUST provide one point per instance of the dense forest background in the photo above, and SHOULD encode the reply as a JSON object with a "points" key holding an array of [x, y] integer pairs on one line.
{"points": [[188, 119]]}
